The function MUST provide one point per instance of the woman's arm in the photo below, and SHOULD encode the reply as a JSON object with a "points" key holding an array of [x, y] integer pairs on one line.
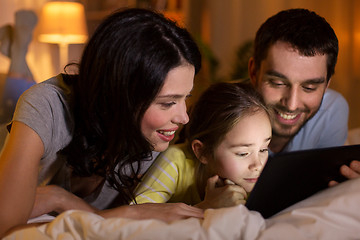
{"points": [[19, 166], [21, 199], [54, 198], [167, 212]]}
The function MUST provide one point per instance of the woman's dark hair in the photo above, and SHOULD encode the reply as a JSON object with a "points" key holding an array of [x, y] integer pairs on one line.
{"points": [[122, 69], [304, 30], [216, 112]]}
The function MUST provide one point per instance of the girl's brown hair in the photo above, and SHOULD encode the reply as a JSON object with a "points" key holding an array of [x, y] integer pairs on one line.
{"points": [[216, 112]]}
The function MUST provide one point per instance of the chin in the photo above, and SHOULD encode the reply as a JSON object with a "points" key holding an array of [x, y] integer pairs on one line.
{"points": [[161, 147], [286, 133]]}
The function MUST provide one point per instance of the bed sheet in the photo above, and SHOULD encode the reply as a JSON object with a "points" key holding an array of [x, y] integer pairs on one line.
{"points": [[331, 214]]}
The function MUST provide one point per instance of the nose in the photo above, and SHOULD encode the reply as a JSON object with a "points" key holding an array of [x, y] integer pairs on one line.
{"points": [[181, 116], [291, 99], [257, 163]]}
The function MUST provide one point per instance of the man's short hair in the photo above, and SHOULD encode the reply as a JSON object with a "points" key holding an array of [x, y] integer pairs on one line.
{"points": [[305, 31]]}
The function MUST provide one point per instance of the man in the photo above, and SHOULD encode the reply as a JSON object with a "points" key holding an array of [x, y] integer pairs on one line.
{"points": [[294, 59]]}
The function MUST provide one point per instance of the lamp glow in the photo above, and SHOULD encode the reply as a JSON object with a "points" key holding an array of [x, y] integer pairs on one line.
{"points": [[63, 23]]}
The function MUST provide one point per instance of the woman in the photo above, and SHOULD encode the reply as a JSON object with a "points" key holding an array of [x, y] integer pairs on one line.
{"points": [[83, 138]]}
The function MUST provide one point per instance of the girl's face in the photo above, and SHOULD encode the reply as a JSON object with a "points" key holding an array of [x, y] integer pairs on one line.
{"points": [[241, 156], [168, 110]]}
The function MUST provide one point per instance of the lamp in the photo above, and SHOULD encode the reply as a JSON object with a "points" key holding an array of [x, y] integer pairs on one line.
{"points": [[63, 23]]}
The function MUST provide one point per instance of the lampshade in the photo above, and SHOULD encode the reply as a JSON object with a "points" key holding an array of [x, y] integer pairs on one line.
{"points": [[62, 22]]}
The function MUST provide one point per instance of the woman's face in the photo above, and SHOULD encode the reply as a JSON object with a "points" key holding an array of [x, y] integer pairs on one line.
{"points": [[168, 110], [241, 156]]}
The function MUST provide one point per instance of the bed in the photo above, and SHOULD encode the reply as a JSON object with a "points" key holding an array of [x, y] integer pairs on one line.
{"points": [[331, 214]]}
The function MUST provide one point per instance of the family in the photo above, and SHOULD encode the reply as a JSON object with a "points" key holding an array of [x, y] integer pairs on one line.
{"points": [[99, 140]]}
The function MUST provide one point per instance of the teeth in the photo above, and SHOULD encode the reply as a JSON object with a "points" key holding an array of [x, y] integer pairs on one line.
{"points": [[287, 116], [167, 133]]}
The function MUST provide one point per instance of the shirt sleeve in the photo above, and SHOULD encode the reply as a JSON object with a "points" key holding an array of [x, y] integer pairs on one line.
{"points": [[160, 183], [336, 128]]}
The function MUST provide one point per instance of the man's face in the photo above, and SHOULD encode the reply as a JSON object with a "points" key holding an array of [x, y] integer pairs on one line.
{"points": [[292, 86]]}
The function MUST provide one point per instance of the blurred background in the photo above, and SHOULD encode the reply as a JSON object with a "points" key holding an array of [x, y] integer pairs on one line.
{"points": [[224, 30]]}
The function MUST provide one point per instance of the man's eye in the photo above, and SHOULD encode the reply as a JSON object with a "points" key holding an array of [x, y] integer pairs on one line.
{"points": [[276, 83], [309, 88]]}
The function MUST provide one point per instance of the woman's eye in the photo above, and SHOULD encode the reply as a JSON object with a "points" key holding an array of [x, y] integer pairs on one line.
{"points": [[264, 150], [167, 105]]}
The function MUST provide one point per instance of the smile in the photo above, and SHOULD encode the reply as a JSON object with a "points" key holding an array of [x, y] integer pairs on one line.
{"points": [[287, 116], [167, 133]]}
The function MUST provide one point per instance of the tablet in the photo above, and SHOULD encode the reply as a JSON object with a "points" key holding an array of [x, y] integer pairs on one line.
{"points": [[288, 178]]}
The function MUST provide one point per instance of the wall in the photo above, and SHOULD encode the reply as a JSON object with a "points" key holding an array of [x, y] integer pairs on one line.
{"points": [[224, 25], [234, 21], [42, 58]]}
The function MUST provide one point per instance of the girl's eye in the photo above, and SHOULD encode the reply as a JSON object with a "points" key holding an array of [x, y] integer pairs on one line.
{"points": [[264, 150], [242, 154]]}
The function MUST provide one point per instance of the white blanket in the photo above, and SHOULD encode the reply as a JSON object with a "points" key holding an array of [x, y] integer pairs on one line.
{"points": [[331, 214]]}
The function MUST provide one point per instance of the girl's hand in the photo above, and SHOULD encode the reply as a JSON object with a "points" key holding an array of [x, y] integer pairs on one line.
{"points": [[54, 198], [220, 194]]}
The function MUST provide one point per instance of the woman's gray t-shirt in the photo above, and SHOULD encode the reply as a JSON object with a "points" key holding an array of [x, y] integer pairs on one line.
{"points": [[45, 109]]}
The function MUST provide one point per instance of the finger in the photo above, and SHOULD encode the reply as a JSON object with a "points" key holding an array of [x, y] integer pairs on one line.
{"points": [[241, 201], [333, 183], [211, 182], [195, 212], [237, 189], [229, 182], [189, 211], [220, 182], [348, 172], [355, 166]]}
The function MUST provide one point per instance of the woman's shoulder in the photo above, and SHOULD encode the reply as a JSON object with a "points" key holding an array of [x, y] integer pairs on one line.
{"points": [[50, 86], [49, 95], [45, 108]]}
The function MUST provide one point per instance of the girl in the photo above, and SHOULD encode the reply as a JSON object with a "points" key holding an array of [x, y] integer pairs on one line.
{"points": [[226, 148], [79, 141]]}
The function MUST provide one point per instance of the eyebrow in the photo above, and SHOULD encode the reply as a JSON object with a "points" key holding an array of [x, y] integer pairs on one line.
{"points": [[174, 96], [273, 73], [248, 144]]}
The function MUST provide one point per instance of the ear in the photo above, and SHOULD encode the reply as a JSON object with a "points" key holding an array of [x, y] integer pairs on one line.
{"points": [[328, 83], [252, 71], [197, 147]]}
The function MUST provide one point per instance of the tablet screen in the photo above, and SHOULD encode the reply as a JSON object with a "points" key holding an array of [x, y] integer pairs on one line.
{"points": [[288, 178]]}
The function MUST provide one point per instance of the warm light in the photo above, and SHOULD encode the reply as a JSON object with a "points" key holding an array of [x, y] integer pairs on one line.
{"points": [[63, 22], [175, 16]]}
